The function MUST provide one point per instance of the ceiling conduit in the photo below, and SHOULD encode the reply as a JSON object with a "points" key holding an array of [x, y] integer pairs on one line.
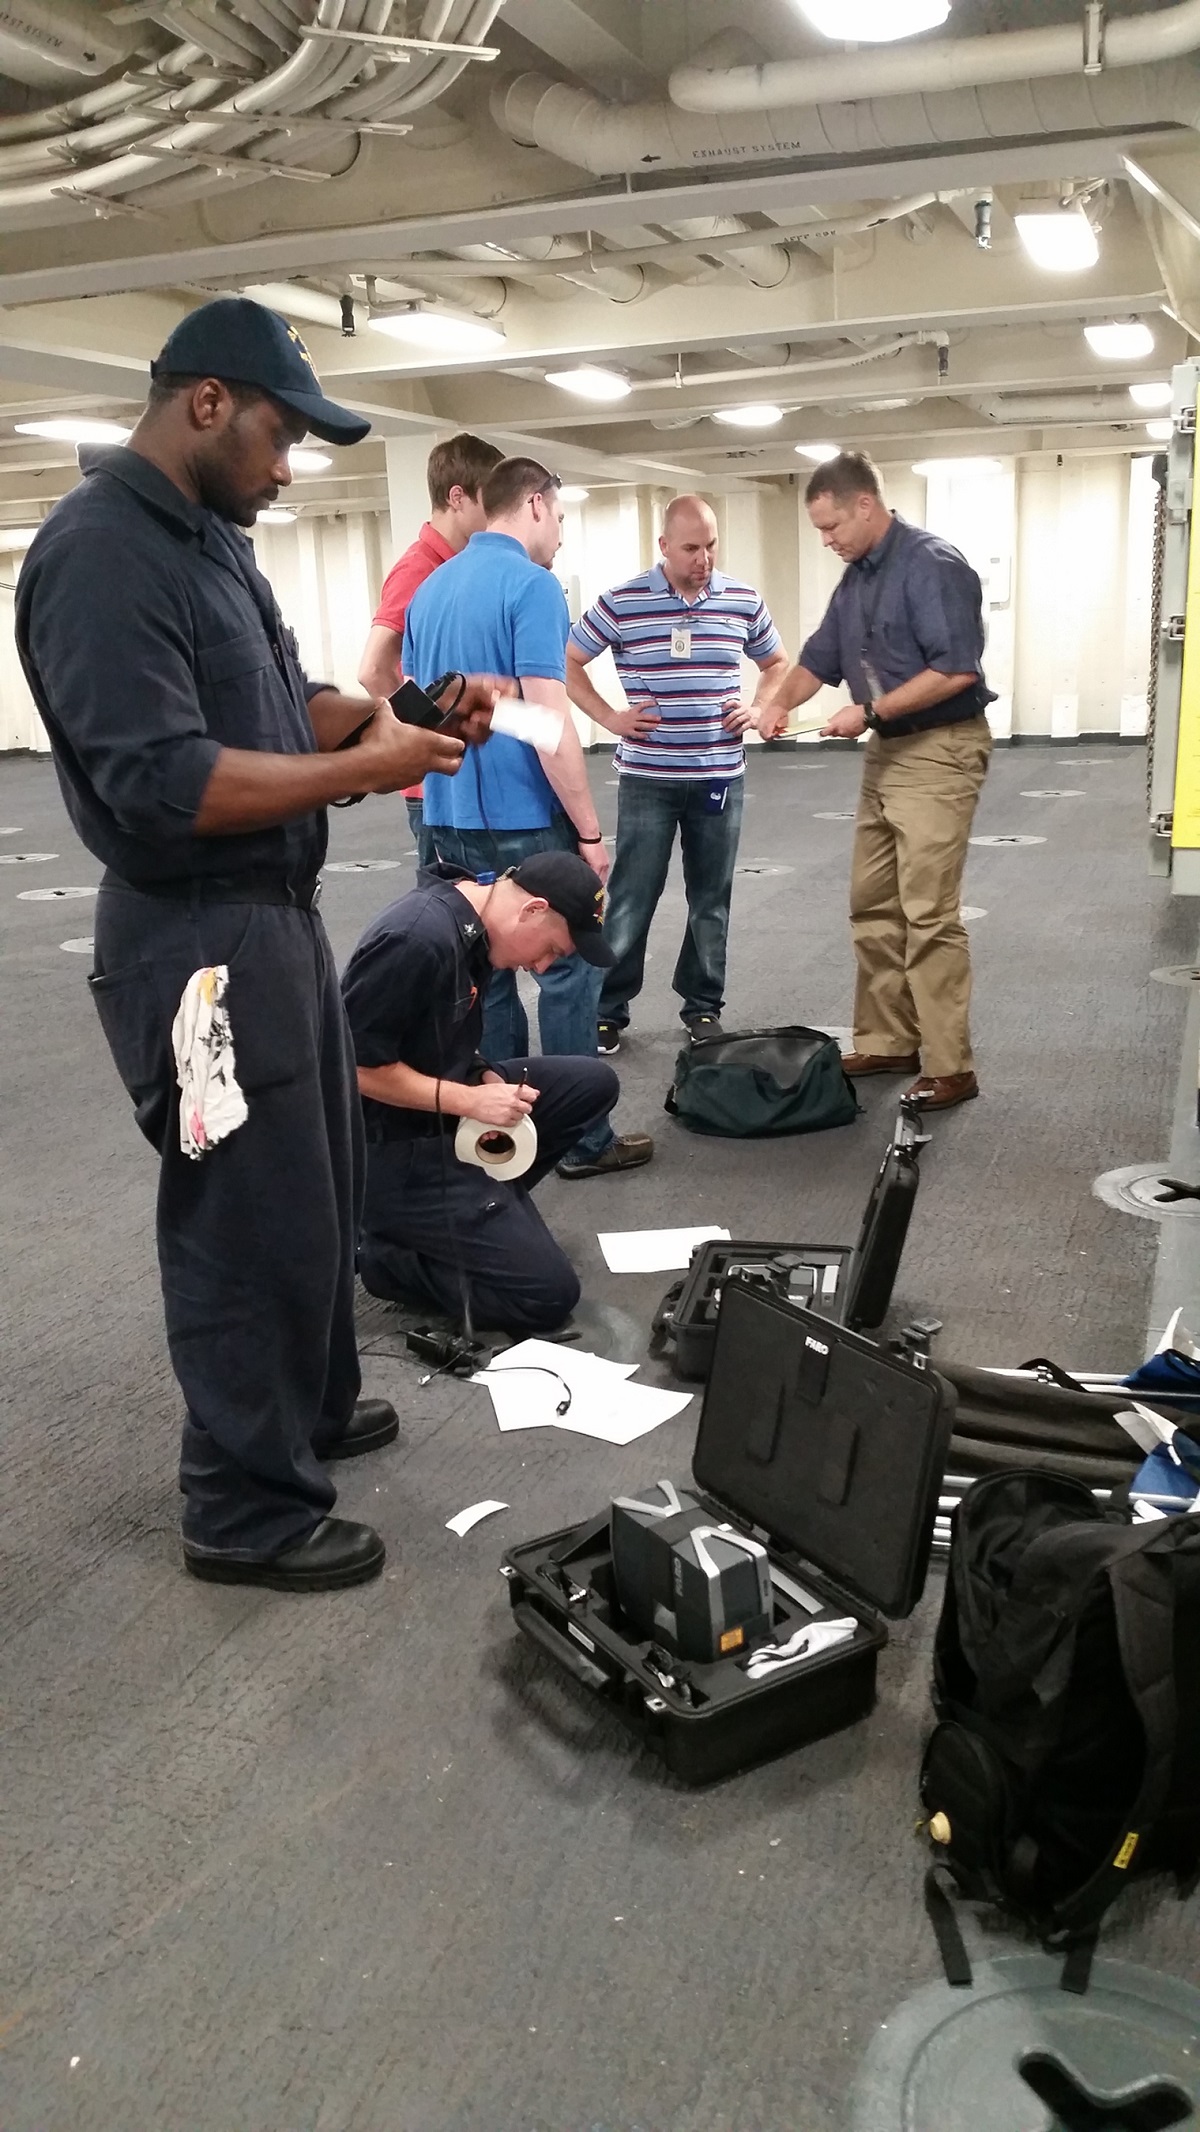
{"points": [[614, 140], [709, 84], [68, 152]]}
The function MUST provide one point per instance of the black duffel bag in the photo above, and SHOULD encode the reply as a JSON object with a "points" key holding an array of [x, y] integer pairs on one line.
{"points": [[764, 1082]]}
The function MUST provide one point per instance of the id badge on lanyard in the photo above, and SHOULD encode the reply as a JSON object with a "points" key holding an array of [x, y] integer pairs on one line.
{"points": [[681, 642]]}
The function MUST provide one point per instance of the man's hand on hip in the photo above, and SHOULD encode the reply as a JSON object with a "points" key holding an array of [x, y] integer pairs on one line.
{"points": [[846, 724], [597, 858], [391, 754], [738, 716], [635, 722]]}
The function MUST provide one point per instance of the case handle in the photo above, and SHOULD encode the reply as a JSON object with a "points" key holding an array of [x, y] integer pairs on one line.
{"points": [[559, 1647]]}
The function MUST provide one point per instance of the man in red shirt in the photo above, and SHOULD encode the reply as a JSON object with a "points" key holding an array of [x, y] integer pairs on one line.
{"points": [[456, 473]]}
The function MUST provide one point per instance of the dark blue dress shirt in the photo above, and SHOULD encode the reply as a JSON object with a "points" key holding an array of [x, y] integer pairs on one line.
{"points": [[911, 604], [150, 641]]}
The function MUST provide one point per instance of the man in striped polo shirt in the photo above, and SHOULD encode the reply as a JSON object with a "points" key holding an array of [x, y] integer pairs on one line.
{"points": [[678, 634]]}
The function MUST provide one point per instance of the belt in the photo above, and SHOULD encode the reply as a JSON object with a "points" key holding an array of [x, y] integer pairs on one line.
{"points": [[256, 885]]}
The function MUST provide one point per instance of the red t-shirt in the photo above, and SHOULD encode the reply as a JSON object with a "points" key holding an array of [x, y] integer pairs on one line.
{"points": [[410, 570]]}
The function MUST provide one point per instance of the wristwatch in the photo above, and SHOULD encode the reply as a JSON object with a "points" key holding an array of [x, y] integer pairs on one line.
{"points": [[871, 718]]}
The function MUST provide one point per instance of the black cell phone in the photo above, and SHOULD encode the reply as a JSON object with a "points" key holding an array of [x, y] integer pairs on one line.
{"points": [[413, 707]]}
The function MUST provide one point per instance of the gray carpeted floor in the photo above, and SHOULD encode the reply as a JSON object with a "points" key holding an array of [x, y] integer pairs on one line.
{"points": [[362, 1863]]}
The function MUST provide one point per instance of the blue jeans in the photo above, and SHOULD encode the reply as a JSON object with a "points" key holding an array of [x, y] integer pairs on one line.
{"points": [[649, 811], [568, 991], [422, 837]]}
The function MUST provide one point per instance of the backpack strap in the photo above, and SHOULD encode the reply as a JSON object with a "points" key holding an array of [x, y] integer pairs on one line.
{"points": [[1142, 1588], [951, 1946], [1057, 1375]]}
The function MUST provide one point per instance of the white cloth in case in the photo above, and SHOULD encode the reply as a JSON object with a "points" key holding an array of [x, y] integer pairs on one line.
{"points": [[211, 1105]]}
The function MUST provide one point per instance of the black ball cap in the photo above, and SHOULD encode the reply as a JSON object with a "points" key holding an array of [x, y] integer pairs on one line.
{"points": [[567, 883], [243, 343]]}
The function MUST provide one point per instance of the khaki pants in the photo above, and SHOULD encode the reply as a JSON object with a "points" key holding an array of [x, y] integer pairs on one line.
{"points": [[910, 844]]}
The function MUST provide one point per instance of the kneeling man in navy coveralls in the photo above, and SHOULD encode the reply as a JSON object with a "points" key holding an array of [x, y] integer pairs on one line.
{"points": [[438, 1231]]}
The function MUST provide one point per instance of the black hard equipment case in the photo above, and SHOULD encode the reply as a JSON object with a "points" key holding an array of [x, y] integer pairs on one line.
{"points": [[852, 1285], [830, 1452]]}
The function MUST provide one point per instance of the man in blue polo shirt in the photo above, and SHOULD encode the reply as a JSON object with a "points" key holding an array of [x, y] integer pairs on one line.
{"points": [[678, 635], [500, 592]]}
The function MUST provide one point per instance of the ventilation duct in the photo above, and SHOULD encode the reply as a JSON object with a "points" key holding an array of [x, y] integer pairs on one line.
{"points": [[709, 83], [613, 140]]}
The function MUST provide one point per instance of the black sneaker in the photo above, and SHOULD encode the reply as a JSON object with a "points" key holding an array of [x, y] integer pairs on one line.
{"points": [[608, 1038], [701, 1027]]}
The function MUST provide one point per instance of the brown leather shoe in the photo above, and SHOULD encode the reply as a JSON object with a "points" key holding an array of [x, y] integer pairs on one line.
{"points": [[858, 1063], [941, 1091]]}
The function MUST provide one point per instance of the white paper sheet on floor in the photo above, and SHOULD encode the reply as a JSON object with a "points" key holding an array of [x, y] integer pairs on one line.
{"points": [[529, 1382], [211, 1105]]}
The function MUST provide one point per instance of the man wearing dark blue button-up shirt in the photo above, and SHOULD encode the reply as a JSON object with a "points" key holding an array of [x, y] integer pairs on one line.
{"points": [[904, 629], [196, 763]]}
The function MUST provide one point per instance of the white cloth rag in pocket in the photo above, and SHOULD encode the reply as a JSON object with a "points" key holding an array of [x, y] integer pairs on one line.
{"points": [[211, 1105]]}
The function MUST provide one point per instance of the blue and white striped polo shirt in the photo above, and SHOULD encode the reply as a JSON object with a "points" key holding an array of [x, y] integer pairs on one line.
{"points": [[637, 622]]}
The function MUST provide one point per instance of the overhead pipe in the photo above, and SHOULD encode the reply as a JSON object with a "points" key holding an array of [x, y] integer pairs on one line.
{"points": [[615, 140], [766, 266], [708, 83], [1045, 407], [57, 148]]}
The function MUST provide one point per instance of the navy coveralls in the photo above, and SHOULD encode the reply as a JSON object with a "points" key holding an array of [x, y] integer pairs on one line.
{"points": [[414, 991], [150, 642]]}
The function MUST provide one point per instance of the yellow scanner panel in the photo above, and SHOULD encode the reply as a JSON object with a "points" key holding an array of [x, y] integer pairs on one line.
{"points": [[1185, 834]]}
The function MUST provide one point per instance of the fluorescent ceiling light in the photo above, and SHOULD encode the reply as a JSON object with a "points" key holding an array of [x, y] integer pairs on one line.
{"points": [[874, 21], [755, 414], [75, 429], [818, 453], [16, 536], [441, 332], [1152, 394], [275, 517], [303, 461], [570, 493], [1120, 340], [590, 381], [1060, 240], [1160, 432], [927, 467]]}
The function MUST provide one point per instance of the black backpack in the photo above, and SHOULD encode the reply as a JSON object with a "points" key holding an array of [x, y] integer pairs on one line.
{"points": [[764, 1082], [1067, 1685]]}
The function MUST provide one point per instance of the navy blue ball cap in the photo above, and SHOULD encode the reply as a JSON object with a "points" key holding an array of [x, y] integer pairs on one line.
{"points": [[243, 343], [569, 885]]}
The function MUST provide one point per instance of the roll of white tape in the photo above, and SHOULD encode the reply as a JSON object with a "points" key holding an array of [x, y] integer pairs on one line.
{"points": [[504, 1151]]}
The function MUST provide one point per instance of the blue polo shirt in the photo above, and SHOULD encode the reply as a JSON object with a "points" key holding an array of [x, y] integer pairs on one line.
{"points": [[490, 610], [912, 603], [684, 656]]}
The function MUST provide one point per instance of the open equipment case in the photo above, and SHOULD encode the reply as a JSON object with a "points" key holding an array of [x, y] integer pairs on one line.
{"points": [[830, 1452], [851, 1284]]}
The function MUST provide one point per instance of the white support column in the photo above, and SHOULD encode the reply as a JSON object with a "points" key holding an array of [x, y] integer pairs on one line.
{"points": [[408, 494]]}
